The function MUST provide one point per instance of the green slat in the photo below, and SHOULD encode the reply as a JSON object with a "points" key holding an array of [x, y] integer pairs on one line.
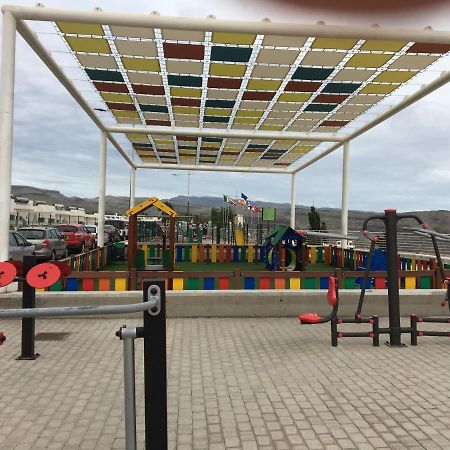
{"points": [[56, 287], [309, 283], [192, 283], [349, 283], [243, 254], [425, 282]]}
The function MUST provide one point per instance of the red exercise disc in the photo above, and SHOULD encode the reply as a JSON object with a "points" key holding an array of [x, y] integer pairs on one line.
{"points": [[43, 275], [8, 272]]}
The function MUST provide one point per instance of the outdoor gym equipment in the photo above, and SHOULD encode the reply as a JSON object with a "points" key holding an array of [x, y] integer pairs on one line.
{"points": [[32, 277], [153, 332], [390, 220], [333, 300], [415, 320]]}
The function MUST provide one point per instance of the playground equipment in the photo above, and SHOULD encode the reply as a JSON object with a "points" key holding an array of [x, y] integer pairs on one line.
{"points": [[239, 236], [283, 248], [395, 330], [414, 319], [153, 332], [132, 230], [32, 277]]}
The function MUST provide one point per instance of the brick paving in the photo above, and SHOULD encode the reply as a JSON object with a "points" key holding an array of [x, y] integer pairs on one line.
{"points": [[233, 384]]}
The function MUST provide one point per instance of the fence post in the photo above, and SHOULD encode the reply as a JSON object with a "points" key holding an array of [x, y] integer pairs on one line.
{"points": [[237, 279]]}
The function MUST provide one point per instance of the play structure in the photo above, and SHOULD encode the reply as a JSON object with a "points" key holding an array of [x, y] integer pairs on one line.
{"points": [[132, 232], [390, 220], [284, 249]]}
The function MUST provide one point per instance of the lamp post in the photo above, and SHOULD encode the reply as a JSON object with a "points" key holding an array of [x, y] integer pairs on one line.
{"points": [[188, 188]]}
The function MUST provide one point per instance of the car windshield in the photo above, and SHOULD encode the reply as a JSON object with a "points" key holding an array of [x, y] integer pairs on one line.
{"points": [[67, 228], [110, 227], [32, 234], [91, 229]]}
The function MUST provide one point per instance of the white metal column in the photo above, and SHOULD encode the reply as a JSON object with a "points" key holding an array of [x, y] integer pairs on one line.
{"points": [[102, 190], [132, 187], [6, 126], [344, 204], [293, 201]]}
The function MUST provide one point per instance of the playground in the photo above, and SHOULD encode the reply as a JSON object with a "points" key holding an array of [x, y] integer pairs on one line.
{"points": [[226, 345]]}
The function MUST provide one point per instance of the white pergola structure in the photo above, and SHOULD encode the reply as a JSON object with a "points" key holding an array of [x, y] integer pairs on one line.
{"points": [[221, 95]]}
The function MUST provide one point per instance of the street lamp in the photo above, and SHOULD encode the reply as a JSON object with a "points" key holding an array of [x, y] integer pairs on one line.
{"points": [[188, 188]]}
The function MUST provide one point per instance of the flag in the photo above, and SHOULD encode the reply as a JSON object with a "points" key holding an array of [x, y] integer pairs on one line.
{"points": [[244, 197], [241, 202], [231, 201], [225, 198]]}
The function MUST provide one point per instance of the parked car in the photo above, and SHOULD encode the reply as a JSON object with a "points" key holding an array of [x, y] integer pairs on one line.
{"points": [[49, 243], [113, 233], [19, 246], [78, 238], [93, 229]]}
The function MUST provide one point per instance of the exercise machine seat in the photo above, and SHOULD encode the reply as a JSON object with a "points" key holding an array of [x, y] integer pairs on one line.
{"points": [[332, 300], [309, 318]]}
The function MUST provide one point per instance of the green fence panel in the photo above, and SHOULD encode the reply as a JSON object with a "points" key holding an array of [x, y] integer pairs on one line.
{"points": [[192, 283], [349, 283], [425, 282], [243, 254], [309, 283], [320, 254], [56, 287]]}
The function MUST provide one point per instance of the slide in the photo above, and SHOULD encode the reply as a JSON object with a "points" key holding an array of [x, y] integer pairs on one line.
{"points": [[239, 235]]}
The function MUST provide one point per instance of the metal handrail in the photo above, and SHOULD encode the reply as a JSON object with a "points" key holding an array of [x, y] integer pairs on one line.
{"points": [[76, 310]]}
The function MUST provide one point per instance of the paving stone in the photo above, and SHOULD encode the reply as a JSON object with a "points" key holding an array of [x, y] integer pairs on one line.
{"points": [[233, 384]]}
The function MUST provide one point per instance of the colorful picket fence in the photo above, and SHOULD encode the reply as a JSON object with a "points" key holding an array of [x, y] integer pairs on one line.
{"points": [[242, 279]]}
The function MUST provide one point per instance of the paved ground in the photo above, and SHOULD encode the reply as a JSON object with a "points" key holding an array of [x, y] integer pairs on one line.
{"points": [[233, 384]]}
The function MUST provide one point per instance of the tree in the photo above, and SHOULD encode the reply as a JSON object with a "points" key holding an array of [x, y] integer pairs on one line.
{"points": [[314, 220]]}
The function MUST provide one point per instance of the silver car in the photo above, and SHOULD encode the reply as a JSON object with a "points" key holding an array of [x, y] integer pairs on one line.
{"points": [[19, 246], [50, 244]]}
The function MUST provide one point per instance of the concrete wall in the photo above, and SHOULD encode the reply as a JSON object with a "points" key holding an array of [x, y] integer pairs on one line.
{"points": [[242, 303]]}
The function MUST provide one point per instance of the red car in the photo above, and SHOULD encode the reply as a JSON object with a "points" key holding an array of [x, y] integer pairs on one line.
{"points": [[78, 237]]}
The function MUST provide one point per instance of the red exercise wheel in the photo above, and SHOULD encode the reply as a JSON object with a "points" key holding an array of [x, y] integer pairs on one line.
{"points": [[8, 272], [63, 267], [43, 275]]}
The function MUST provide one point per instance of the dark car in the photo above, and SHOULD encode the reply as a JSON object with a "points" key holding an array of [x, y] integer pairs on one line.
{"points": [[49, 243], [113, 233], [19, 246]]}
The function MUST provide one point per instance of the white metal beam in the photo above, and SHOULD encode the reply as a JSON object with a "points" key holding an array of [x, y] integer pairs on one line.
{"points": [[230, 26], [101, 190], [344, 204], [220, 132], [6, 126], [211, 168], [30, 38], [132, 187], [407, 101], [293, 192]]}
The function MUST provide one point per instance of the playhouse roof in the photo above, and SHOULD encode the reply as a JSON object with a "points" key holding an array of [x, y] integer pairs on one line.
{"points": [[282, 232]]}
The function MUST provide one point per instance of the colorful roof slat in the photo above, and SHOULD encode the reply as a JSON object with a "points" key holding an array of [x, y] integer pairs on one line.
{"points": [[238, 81]]}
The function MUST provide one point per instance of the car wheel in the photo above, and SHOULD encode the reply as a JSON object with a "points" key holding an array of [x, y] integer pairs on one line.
{"points": [[53, 255]]}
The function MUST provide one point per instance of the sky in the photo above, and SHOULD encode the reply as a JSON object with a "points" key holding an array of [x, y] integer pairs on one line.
{"points": [[401, 163]]}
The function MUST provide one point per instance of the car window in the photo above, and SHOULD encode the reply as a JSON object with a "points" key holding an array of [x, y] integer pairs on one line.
{"points": [[67, 228], [53, 234], [20, 239], [91, 229], [12, 240], [30, 233]]}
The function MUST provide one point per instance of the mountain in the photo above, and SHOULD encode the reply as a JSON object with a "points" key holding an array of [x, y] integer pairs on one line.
{"points": [[201, 206]]}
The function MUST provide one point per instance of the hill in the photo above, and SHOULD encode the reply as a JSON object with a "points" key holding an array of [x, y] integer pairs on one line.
{"points": [[201, 206]]}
